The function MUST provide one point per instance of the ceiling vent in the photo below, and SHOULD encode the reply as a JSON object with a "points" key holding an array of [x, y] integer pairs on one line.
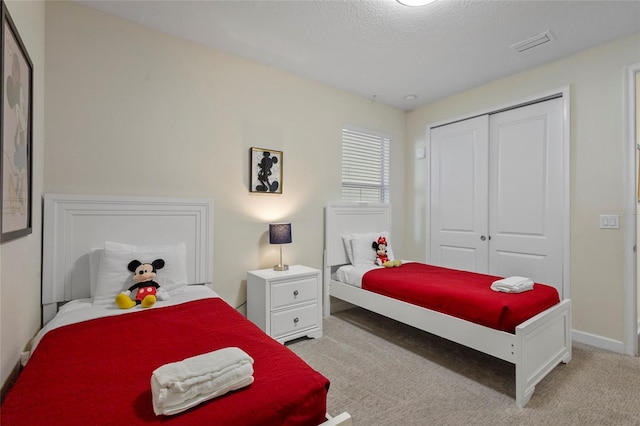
{"points": [[532, 42]]}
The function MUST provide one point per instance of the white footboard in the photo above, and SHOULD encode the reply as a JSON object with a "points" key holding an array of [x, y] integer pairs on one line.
{"points": [[541, 343], [342, 419]]}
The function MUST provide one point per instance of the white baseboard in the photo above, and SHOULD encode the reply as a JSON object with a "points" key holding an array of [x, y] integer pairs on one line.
{"points": [[598, 341]]}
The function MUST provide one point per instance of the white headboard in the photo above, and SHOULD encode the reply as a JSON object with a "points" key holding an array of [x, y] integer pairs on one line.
{"points": [[348, 218], [75, 224]]}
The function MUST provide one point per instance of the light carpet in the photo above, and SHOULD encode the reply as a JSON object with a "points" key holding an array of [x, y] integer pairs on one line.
{"points": [[386, 373]]}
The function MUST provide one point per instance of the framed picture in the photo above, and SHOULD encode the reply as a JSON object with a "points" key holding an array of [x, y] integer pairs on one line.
{"points": [[266, 171], [16, 111]]}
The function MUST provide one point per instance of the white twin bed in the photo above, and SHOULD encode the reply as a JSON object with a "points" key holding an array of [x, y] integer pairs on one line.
{"points": [[537, 346], [92, 361]]}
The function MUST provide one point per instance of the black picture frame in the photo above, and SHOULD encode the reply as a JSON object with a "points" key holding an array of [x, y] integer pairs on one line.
{"points": [[16, 112], [266, 171]]}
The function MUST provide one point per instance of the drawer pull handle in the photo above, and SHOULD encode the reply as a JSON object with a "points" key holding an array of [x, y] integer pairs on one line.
{"points": [[295, 320], [295, 293]]}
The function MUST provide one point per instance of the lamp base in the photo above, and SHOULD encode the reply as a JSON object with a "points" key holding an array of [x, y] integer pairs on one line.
{"points": [[281, 268]]}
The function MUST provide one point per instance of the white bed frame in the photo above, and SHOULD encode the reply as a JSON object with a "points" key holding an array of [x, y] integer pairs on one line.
{"points": [[538, 345], [73, 225]]}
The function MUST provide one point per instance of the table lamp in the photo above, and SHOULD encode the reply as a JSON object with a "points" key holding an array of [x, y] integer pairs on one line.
{"points": [[280, 233]]}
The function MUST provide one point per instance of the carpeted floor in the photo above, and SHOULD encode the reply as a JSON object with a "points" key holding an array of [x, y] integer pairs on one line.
{"points": [[386, 373]]}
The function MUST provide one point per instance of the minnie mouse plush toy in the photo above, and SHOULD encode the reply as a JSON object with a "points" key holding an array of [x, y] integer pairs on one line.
{"points": [[382, 258]]}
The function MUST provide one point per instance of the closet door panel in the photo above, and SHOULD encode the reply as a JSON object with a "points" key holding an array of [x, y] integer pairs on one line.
{"points": [[519, 263], [526, 197], [458, 196], [520, 167]]}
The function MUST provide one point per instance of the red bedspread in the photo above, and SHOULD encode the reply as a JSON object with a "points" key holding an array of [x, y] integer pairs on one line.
{"points": [[98, 372], [461, 294]]}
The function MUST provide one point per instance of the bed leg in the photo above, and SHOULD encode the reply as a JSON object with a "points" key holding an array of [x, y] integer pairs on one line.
{"points": [[522, 397], [523, 393], [326, 283], [542, 343]]}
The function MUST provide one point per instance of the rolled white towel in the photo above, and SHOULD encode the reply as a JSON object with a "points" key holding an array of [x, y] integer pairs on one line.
{"points": [[177, 386], [513, 284]]}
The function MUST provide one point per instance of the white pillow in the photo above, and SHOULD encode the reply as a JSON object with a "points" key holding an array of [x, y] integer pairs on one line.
{"points": [[114, 277], [362, 247], [94, 265], [346, 239]]}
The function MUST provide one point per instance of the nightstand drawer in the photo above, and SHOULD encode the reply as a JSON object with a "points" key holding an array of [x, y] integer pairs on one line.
{"points": [[291, 292], [294, 320]]}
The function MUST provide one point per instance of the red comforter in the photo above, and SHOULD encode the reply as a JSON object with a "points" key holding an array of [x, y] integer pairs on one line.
{"points": [[98, 372], [461, 294]]}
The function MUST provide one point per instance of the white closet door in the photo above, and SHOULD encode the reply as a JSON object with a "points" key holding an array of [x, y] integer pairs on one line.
{"points": [[458, 195], [526, 195]]}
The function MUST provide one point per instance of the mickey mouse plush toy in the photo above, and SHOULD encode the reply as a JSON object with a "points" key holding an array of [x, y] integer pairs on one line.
{"points": [[148, 289], [382, 259]]}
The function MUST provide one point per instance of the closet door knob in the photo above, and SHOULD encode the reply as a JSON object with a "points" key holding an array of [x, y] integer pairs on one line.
{"points": [[482, 237], [295, 293]]}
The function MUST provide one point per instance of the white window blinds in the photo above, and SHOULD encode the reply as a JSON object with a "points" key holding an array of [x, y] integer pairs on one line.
{"points": [[365, 166]]}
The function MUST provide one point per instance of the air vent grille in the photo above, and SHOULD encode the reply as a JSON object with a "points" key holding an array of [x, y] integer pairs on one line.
{"points": [[532, 42]]}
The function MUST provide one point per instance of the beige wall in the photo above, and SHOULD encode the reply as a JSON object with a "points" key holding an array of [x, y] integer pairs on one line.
{"points": [[134, 111], [596, 79], [20, 258]]}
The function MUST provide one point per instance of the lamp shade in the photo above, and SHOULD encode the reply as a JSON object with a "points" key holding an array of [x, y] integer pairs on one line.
{"points": [[279, 233]]}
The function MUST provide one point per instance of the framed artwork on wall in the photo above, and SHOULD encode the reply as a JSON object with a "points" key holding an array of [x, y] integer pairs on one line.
{"points": [[266, 171], [16, 111]]}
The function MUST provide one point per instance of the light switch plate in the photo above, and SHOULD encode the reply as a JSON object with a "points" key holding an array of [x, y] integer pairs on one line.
{"points": [[609, 221]]}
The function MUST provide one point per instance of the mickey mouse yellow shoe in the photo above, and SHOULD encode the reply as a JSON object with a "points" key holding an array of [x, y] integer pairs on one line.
{"points": [[124, 302], [148, 301]]}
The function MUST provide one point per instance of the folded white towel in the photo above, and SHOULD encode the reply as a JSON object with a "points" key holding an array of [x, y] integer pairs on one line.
{"points": [[178, 386], [512, 285]]}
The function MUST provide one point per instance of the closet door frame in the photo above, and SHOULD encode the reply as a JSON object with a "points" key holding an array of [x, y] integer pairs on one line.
{"points": [[565, 94], [631, 191]]}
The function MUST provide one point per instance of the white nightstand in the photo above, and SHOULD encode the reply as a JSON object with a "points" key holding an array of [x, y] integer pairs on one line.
{"points": [[286, 304]]}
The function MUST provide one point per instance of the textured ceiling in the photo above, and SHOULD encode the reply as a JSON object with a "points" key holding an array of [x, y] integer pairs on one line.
{"points": [[382, 50]]}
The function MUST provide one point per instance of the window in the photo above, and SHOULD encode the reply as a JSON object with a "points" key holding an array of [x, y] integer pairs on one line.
{"points": [[365, 166]]}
